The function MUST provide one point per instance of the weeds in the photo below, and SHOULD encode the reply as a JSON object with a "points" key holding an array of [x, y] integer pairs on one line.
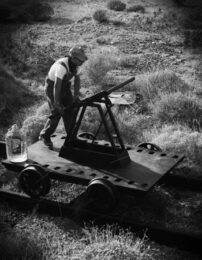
{"points": [[193, 38], [178, 138], [178, 108], [152, 86], [131, 126], [99, 64], [128, 61], [116, 5], [19, 52], [168, 21], [32, 127], [15, 246], [43, 110], [13, 95], [111, 242], [136, 8], [100, 16], [107, 243], [25, 11]]}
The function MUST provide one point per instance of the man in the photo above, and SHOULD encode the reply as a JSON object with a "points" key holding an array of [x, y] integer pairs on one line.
{"points": [[58, 91]]}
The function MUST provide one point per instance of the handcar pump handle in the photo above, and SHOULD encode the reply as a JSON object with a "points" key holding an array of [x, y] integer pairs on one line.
{"points": [[97, 97]]}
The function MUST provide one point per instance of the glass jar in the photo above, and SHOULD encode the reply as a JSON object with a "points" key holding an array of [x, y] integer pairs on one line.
{"points": [[16, 145]]}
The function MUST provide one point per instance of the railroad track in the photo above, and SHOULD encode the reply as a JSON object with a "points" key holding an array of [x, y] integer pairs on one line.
{"points": [[81, 211]]}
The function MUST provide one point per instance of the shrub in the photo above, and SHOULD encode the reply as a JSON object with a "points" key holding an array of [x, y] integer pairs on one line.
{"points": [[63, 239], [104, 40], [14, 246], [25, 10], [32, 127], [132, 125], [136, 8], [12, 90], [177, 107], [91, 120], [99, 64], [177, 138], [116, 5], [153, 85], [100, 16], [128, 61], [43, 110], [193, 38], [13, 95], [106, 243], [22, 55]]}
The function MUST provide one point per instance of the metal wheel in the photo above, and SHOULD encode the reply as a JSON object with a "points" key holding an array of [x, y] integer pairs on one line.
{"points": [[34, 181], [150, 147], [87, 135], [102, 194]]}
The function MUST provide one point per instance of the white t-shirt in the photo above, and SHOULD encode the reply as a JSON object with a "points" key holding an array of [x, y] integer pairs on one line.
{"points": [[57, 70]]}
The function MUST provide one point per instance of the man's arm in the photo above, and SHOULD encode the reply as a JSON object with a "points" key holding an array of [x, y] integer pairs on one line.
{"points": [[57, 94], [77, 84]]}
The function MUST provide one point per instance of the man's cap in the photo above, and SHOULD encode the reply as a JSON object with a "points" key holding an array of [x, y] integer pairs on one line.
{"points": [[78, 52]]}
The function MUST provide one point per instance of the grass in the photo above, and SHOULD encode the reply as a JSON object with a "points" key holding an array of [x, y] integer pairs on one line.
{"points": [[178, 138], [22, 56], [20, 247], [14, 96], [178, 108], [99, 64], [131, 126], [167, 21], [128, 61], [116, 5], [68, 241], [100, 16], [152, 85], [136, 8], [25, 11], [32, 127]]}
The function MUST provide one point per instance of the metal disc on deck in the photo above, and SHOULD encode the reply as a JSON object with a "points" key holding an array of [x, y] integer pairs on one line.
{"points": [[34, 181], [149, 146], [86, 135]]}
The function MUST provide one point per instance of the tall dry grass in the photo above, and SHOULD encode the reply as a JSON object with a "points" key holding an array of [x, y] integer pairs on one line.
{"points": [[152, 85], [176, 138], [32, 127], [100, 62], [24, 10], [14, 95], [20, 53], [18, 246], [67, 241], [178, 108]]}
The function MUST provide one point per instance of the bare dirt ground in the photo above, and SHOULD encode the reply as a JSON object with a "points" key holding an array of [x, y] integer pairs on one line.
{"points": [[153, 36]]}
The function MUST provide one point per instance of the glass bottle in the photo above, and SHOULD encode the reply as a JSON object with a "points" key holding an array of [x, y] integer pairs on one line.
{"points": [[16, 145]]}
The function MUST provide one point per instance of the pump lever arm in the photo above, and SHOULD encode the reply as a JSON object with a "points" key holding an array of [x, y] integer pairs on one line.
{"points": [[97, 97]]}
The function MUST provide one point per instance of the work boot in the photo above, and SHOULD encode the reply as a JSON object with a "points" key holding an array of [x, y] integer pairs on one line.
{"points": [[47, 141]]}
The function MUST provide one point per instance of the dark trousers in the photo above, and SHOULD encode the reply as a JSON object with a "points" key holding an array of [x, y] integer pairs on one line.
{"points": [[67, 101]]}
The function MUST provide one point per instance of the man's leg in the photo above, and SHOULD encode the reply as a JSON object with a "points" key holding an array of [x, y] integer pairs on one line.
{"points": [[67, 118], [53, 120], [51, 124], [68, 103]]}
